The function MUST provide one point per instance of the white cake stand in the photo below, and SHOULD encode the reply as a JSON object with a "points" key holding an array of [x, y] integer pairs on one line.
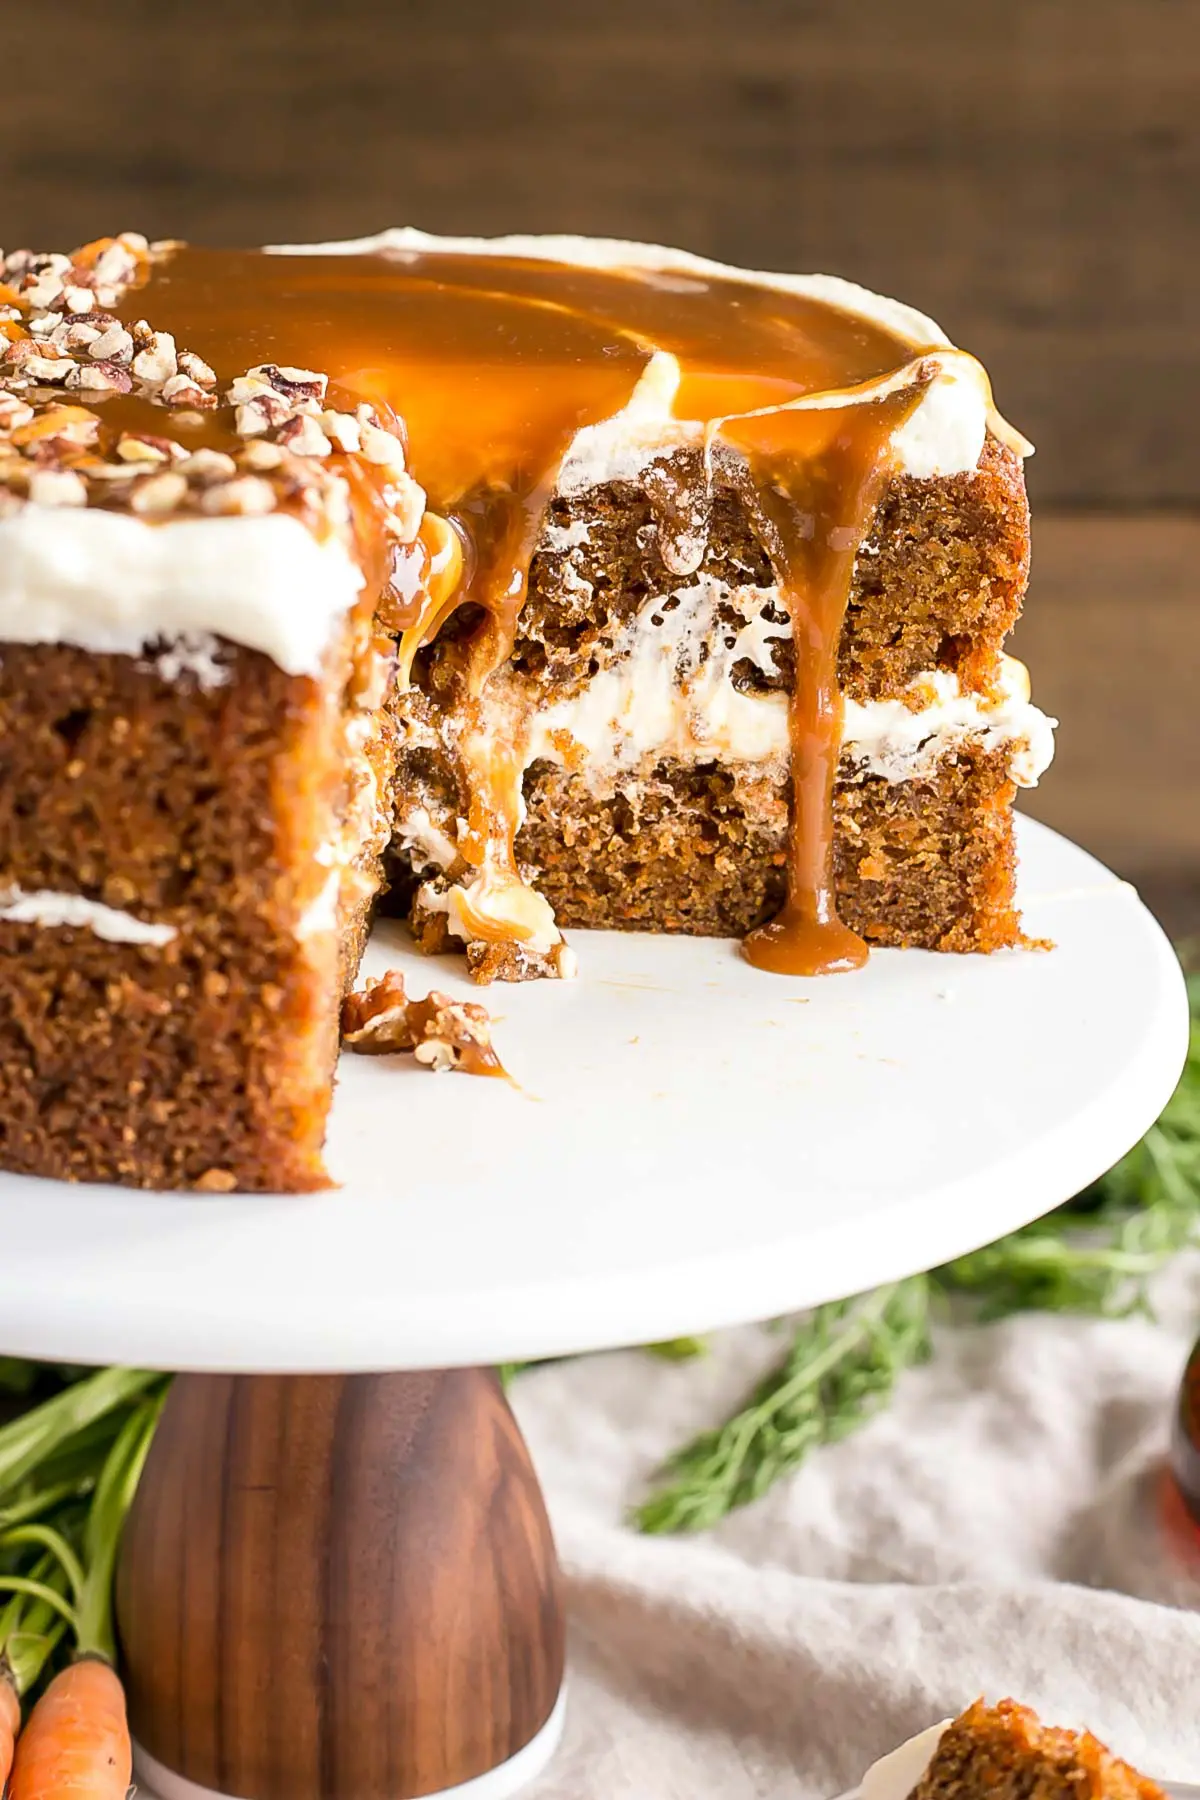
{"points": [[687, 1143], [691, 1144]]}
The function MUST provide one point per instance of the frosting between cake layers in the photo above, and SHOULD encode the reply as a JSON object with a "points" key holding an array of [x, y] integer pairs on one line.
{"points": [[670, 692], [108, 582], [43, 906]]}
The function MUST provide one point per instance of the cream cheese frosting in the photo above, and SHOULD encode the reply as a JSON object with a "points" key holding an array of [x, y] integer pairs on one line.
{"points": [[46, 907], [670, 691], [109, 582]]}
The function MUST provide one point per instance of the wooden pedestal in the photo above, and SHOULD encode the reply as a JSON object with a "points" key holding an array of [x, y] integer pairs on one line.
{"points": [[339, 1588]]}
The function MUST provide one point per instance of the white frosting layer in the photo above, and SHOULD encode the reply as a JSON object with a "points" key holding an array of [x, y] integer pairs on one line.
{"points": [[670, 692], [895, 1776], [943, 435], [109, 582], [322, 913], [45, 907]]}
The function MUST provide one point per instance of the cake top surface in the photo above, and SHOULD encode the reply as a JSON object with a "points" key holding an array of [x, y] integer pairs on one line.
{"points": [[496, 356], [157, 383]]}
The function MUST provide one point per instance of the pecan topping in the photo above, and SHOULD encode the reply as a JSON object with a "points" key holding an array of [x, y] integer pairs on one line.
{"points": [[380, 1019], [101, 377], [162, 493], [246, 495], [155, 360], [60, 337], [304, 437], [57, 487]]}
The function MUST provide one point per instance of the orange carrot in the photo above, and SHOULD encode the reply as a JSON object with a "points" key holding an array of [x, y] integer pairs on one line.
{"points": [[10, 1724], [76, 1741]]}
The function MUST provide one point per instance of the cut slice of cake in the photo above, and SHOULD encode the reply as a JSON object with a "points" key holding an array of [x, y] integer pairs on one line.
{"points": [[1004, 1752], [196, 750], [570, 583]]}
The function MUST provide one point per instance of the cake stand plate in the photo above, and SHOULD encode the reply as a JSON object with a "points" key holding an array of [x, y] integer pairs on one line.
{"points": [[686, 1143]]}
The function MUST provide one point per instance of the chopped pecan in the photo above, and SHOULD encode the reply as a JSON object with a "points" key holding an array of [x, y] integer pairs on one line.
{"points": [[40, 362], [510, 961], [57, 487], [41, 289], [206, 466], [293, 384], [181, 390], [216, 1181], [114, 344], [304, 437], [245, 495], [262, 412], [196, 369], [78, 299], [75, 334], [442, 1033], [142, 448], [260, 455], [342, 430], [162, 493], [14, 412], [155, 360], [379, 446], [405, 501], [101, 377]]}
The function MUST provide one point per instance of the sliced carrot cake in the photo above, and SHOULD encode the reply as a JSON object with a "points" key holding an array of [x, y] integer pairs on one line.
{"points": [[1004, 1752], [534, 583]]}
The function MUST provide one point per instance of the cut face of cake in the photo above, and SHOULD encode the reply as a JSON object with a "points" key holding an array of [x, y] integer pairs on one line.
{"points": [[1004, 1752], [547, 583]]}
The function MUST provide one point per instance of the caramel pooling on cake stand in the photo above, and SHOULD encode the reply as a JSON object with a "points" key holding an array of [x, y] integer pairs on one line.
{"points": [[495, 364]]}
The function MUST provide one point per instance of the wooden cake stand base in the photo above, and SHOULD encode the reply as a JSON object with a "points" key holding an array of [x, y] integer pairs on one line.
{"points": [[340, 1588]]}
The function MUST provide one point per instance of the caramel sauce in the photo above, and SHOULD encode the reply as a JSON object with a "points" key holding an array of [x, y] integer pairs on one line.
{"points": [[495, 364], [815, 477]]}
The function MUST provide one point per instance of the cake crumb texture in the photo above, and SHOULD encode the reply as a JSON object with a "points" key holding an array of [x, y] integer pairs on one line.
{"points": [[703, 849], [205, 1061], [1004, 1752]]}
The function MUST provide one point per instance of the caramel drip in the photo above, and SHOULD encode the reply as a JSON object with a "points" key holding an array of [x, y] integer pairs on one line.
{"points": [[495, 364], [815, 477]]}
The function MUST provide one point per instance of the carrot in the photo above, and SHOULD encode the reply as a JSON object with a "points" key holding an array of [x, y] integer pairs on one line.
{"points": [[10, 1724], [76, 1742]]}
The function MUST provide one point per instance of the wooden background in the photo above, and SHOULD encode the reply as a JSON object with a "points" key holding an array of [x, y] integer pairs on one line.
{"points": [[1028, 171]]}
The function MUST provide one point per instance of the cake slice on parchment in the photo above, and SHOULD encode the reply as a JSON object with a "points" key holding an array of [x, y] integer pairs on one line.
{"points": [[555, 582], [1004, 1752]]}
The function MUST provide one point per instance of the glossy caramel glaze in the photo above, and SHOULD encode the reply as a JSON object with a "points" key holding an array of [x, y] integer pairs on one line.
{"points": [[494, 364]]}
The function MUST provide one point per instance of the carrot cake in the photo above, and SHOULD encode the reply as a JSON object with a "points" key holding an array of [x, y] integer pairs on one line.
{"points": [[1004, 1752], [519, 585]]}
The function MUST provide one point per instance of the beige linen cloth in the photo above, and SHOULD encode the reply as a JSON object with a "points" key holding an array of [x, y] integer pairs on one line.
{"points": [[994, 1532]]}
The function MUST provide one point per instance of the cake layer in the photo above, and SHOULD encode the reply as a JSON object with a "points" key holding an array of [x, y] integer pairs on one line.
{"points": [[703, 849], [628, 674], [186, 867], [937, 584]]}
